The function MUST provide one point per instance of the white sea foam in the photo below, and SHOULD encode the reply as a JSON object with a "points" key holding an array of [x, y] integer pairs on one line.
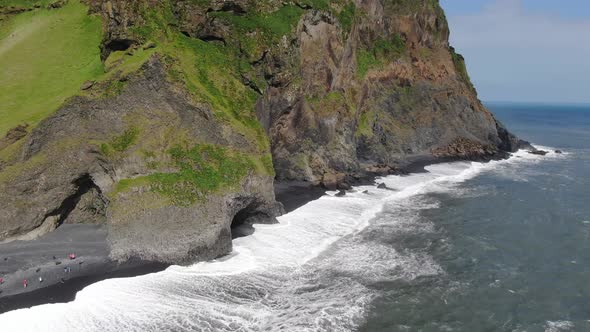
{"points": [[307, 273], [559, 326]]}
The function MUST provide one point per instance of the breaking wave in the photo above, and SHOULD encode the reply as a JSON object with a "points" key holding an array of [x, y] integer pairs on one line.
{"points": [[313, 271]]}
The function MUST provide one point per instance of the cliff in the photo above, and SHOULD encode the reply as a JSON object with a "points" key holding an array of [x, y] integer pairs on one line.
{"points": [[168, 121]]}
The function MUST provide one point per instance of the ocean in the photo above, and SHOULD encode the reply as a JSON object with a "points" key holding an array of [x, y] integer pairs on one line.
{"points": [[499, 246]]}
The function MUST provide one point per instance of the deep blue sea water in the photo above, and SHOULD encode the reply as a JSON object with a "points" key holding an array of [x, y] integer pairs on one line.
{"points": [[513, 243], [502, 246]]}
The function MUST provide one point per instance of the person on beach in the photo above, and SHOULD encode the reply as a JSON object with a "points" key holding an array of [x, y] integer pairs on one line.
{"points": [[1, 281], [40, 279], [25, 283], [72, 256]]}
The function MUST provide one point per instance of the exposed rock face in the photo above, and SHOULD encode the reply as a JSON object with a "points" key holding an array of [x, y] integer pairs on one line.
{"points": [[13, 135], [179, 234], [466, 149], [169, 154], [64, 174], [414, 97], [118, 18]]}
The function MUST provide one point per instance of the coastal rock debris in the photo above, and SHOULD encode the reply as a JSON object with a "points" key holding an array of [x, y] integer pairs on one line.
{"points": [[539, 152]]}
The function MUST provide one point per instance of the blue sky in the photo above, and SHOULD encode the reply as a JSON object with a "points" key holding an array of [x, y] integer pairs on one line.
{"points": [[524, 50]]}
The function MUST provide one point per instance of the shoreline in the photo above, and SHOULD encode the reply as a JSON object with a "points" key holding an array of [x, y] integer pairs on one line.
{"points": [[292, 194], [51, 275], [66, 292]]}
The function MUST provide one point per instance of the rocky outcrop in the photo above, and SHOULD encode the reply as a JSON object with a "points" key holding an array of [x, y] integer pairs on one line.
{"points": [[173, 144], [108, 161], [462, 148], [119, 20], [13, 135], [388, 88]]}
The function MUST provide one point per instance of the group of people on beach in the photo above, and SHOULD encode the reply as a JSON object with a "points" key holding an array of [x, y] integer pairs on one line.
{"points": [[67, 269]]}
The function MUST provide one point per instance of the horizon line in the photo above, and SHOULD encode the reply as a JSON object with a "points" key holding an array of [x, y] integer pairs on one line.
{"points": [[547, 103]]}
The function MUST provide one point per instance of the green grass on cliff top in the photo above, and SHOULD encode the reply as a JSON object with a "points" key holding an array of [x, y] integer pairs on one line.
{"points": [[45, 56], [202, 169], [24, 3]]}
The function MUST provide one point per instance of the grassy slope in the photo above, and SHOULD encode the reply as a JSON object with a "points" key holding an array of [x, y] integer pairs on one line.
{"points": [[211, 73], [50, 53], [24, 3], [45, 56]]}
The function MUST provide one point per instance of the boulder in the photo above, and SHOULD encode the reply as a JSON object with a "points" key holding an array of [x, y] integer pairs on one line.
{"points": [[87, 85], [539, 152], [331, 181], [379, 169], [57, 4], [14, 135], [465, 148], [344, 186]]}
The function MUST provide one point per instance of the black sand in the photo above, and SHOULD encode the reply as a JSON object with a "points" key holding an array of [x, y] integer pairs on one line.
{"points": [[62, 277], [33, 259], [294, 195]]}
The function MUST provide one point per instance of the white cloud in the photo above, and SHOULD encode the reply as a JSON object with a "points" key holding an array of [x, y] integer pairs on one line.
{"points": [[517, 55]]}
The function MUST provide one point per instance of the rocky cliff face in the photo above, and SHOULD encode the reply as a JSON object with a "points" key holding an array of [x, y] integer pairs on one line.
{"points": [[203, 103], [374, 94]]}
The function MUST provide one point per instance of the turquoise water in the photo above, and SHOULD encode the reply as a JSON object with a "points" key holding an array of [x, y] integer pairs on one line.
{"points": [[513, 244]]}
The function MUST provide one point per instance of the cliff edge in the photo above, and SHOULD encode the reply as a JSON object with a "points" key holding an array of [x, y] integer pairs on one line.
{"points": [[175, 118]]}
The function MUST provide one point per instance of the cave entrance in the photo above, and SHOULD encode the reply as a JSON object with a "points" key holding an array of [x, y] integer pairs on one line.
{"points": [[119, 44], [115, 45], [243, 221], [86, 204]]}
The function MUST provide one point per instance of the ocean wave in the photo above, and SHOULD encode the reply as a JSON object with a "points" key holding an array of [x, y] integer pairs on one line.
{"points": [[308, 273], [559, 326]]}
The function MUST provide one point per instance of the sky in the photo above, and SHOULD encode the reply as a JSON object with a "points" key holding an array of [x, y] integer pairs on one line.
{"points": [[524, 50]]}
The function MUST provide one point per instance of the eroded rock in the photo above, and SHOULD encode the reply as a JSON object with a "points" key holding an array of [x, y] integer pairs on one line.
{"points": [[87, 85], [13, 135], [74, 163], [539, 152]]}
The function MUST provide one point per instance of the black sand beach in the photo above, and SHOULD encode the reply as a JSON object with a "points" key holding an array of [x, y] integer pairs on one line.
{"points": [[30, 260], [62, 277]]}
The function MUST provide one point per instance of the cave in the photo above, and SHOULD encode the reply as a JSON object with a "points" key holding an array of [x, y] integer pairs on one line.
{"points": [[212, 38], [85, 188], [233, 7], [116, 45], [119, 44], [243, 221]]}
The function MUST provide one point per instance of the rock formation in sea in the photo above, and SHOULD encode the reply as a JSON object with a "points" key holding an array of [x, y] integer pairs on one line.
{"points": [[200, 105]]}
